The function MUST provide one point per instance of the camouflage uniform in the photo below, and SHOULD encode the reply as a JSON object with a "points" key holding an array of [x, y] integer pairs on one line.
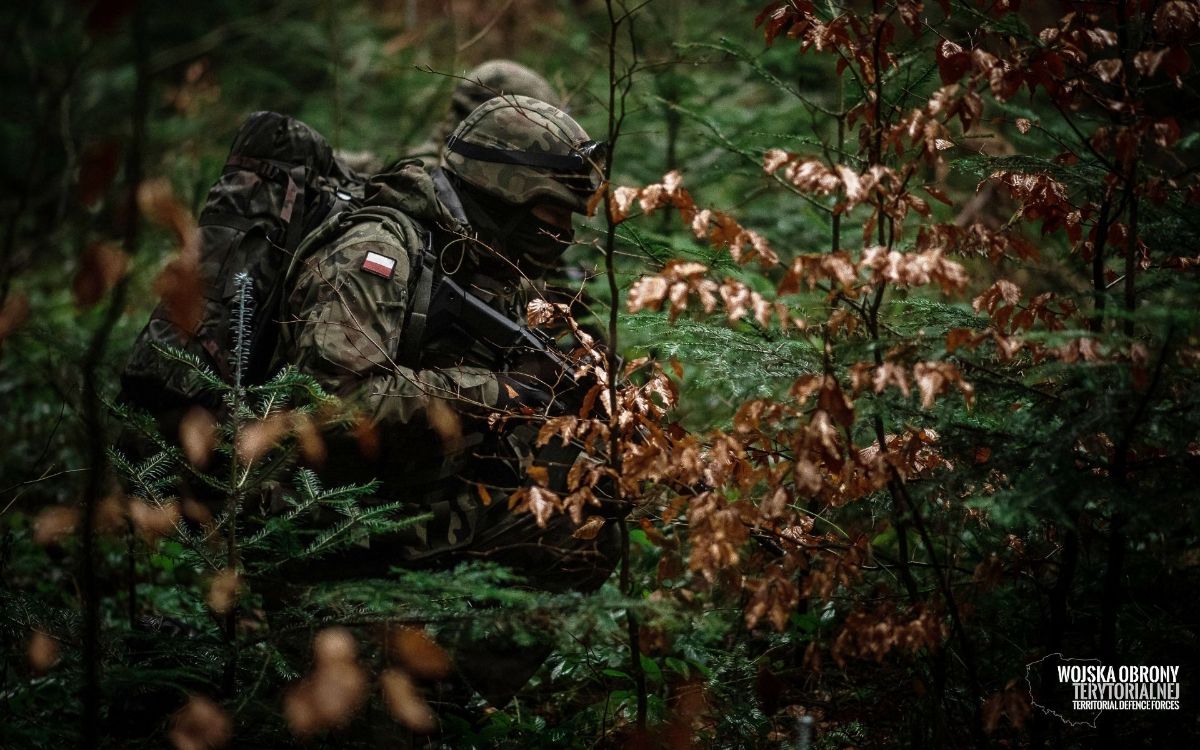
{"points": [[346, 322], [349, 293]]}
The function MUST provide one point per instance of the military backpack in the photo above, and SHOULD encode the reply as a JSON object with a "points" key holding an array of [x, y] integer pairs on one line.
{"points": [[279, 183]]}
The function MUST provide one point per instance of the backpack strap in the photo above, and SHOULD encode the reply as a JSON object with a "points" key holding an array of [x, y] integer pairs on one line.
{"points": [[418, 310], [231, 220], [293, 208]]}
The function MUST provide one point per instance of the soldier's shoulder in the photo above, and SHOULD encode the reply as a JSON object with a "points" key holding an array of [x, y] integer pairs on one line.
{"points": [[374, 241]]}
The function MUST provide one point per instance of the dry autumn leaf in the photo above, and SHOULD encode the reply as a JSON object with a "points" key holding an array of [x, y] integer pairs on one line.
{"points": [[333, 692], [589, 529], [308, 437], [539, 313], [43, 652], [257, 438], [54, 524], [13, 314], [198, 435], [444, 420], [157, 202], [223, 591], [200, 725], [181, 288], [98, 166], [111, 514], [405, 702], [366, 434], [538, 474], [101, 266], [418, 653], [197, 512], [153, 521], [333, 646], [485, 497], [539, 501]]}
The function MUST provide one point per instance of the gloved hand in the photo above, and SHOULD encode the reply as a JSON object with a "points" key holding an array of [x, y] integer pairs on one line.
{"points": [[518, 389]]}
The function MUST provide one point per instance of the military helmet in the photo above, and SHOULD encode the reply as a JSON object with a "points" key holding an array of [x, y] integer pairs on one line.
{"points": [[522, 150], [494, 78]]}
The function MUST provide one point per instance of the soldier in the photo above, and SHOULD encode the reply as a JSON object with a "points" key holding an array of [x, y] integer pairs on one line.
{"points": [[497, 210], [485, 81]]}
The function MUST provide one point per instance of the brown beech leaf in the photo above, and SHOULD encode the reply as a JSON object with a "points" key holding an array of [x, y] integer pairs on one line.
{"points": [[539, 501], [326, 699], [622, 202], [197, 512], [540, 313], [938, 194], [539, 474], [1147, 62], [333, 692], [1107, 70], [42, 653], [153, 522], [1177, 62], [405, 702], [101, 266], [834, 402], [485, 497], [590, 528], [54, 524], [952, 61], [308, 437], [98, 166], [13, 314], [935, 378], [223, 591], [418, 653], [596, 199], [181, 288], [1002, 291], [200, 725], [198, 435], [1177, 21], [444, 420], [366, 434], [259, 437], [957, 337], [157, 202], [334, 646], [111, 514]]}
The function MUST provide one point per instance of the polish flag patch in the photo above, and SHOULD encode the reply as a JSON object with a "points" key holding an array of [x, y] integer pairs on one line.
{"points": [[380, 265]]}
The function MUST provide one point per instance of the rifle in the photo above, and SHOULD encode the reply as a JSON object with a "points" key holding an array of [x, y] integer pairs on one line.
{"points": [[516, 347]]}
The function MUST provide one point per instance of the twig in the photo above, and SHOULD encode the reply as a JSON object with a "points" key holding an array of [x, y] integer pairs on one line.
{"points": [[97, 436], [616, 116]]}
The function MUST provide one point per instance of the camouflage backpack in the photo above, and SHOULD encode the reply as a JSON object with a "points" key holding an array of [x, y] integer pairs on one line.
{"points": [[279, 183]]}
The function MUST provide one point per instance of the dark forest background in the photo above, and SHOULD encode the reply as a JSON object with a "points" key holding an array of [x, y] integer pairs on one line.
{"points": [[908, 298]]}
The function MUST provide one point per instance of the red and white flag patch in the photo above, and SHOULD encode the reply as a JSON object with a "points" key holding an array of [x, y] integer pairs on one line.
{"points": [[380, 265]]}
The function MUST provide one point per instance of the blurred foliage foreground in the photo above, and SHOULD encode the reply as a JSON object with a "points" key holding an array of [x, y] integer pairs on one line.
{"points": [[907, 296]]}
